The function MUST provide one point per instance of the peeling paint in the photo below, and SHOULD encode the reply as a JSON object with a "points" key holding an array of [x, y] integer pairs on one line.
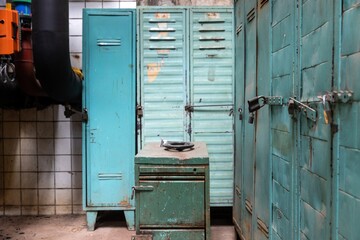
{"points": [[153, 70]]}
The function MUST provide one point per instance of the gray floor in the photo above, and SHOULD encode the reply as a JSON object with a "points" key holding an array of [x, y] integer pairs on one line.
{"points": [[71, 227]]}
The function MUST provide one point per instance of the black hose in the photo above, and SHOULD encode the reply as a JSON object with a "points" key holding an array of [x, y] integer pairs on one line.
{"points": [[51, 51]]}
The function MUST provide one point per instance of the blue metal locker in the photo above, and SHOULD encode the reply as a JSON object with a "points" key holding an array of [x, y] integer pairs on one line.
{"points": [[109, 50]]}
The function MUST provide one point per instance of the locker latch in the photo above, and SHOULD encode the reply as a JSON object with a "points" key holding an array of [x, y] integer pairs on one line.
{"points": [[295, 105], [342, 96], [141, 188], [139, 111], [259, 101]]}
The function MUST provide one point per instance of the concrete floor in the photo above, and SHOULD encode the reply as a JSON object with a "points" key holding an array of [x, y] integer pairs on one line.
{"points": [[109, 226]]}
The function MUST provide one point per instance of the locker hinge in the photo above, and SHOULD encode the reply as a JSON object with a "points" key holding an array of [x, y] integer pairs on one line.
{"points": [[139, 111], [342, 96], [69, 111]]}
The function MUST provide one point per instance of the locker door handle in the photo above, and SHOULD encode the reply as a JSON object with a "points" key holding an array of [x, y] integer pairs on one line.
{"points": [[162, 48], [212, 48], [109, 42], [141, 188]]}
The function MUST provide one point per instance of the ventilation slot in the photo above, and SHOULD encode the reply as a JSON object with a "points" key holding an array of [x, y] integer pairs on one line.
{"points": [[251, 15], [162, 21], [248, 206], [263, 2], [239, 28], [262, 227]]}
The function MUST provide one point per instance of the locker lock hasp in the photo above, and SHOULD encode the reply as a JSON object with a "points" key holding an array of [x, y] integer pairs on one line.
{"points": [[255, 104]]}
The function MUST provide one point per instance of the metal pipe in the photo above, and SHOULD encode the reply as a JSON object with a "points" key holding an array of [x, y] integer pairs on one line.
{"points": [[51, 51]]}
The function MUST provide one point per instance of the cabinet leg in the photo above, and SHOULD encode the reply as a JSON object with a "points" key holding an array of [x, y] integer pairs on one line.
{"points": [[130, 219], [91, 220]]}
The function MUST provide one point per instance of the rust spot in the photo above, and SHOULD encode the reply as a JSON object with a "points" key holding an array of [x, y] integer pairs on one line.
{"points": [[76, 56], [213, 15], [153, 70], [161, 15]]}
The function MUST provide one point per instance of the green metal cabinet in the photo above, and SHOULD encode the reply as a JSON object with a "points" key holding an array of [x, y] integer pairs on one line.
{"points": [[299, 167], [172, 193], [186, 84], [109, 102]]}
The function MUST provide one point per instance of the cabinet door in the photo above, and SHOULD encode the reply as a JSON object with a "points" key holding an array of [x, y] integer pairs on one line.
{"points": [[110, 99], [172, 204]]}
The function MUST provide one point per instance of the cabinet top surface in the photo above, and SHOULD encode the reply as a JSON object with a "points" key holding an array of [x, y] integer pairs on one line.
{"points": [[153, 153]]}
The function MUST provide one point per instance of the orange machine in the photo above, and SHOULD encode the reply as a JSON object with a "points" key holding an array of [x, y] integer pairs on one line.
{"points": [[9, 32]]}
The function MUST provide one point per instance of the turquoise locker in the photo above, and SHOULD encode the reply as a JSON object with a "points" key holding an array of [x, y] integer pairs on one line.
{"points": [[311, 54], [186, 84], [211, 95], [109, 42], [162, 73], [239, 108]]}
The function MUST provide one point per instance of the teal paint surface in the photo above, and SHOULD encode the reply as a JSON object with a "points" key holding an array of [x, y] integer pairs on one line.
{"points": [[186, 59], [109, 97], [313, 165]]}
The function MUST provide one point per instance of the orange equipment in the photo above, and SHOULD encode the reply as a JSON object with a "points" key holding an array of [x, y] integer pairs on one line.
{"points": [[9, 32]]}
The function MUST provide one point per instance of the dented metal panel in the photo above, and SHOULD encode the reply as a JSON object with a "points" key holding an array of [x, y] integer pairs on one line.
{"points": [[163, 77], [348, 141], [211, 90]]}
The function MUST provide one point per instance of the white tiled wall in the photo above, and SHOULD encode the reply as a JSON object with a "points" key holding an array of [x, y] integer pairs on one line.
{"points": [[75, 23], [40, 162]]}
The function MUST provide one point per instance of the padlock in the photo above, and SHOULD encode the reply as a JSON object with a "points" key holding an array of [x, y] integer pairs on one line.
{"points": [[255, 104], [240, 114], [251, 118], [327, 110]]}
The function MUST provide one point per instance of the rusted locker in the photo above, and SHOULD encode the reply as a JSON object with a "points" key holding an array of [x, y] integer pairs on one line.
{"points": [[262, 212], [239, 108], [163, 73], [9, 31], [315, 78], [248, 194], [211, 94], [186, 84], [346, 141]]}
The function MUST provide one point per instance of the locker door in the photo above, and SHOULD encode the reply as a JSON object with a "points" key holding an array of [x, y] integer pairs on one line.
{"points": [[211, 95], [315, 160], [283, 128], [347, 139], [110, 100], [249, 129], [163, 79], [262, 211], [239, 108]]}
